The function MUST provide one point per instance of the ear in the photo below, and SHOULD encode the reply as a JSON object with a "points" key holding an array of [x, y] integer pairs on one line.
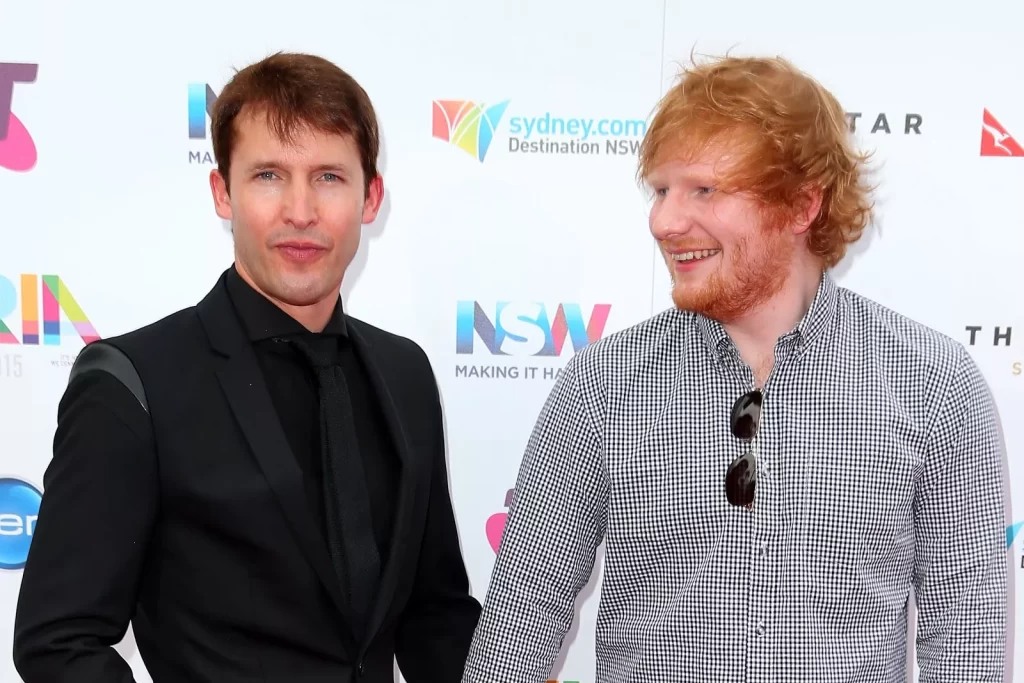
{"points": [[221, 198], [374, 197], [806, 210]]}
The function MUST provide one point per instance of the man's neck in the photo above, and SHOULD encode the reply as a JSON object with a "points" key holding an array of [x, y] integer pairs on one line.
{"points": [[313, 317], [757, 332]]}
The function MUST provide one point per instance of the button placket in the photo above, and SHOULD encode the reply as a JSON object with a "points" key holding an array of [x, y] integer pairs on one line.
{"points": [[763, 579]]}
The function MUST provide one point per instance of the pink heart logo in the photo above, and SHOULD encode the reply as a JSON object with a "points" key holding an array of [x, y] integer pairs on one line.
{"points": [[17, 151], [495, 527]]}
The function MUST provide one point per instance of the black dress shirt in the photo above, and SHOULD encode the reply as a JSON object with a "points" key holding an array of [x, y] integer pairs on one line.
{"points": [[293, 389]]}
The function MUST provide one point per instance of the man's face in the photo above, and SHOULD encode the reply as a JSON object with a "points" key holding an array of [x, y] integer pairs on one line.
{"points": [[296, 210], [724, 260]]}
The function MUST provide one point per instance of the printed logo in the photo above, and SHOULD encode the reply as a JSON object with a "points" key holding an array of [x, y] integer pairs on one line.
{"points": [[995, 140], [1012, 531], [473, 128], [17, 148], [56, 297], [467, 125], [19, 510], [1001, 344], [883, 122], [495, 527], [201, 98], [523, 329]]}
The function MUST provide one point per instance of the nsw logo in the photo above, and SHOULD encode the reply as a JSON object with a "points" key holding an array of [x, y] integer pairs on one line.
{"points": [[19, 509], [527, 328]]}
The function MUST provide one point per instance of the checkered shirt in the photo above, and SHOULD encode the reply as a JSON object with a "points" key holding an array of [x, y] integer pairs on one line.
{"points": [[880, 464]]}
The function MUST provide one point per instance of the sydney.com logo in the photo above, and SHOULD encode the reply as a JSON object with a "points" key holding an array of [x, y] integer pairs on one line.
{"points": [[473, 128]]}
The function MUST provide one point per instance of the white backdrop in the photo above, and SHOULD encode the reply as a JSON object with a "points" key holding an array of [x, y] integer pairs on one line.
{"points": [[116, 204]]}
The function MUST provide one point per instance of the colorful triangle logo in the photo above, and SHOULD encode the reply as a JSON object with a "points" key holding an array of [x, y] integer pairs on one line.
{"points": [[467, 125]]}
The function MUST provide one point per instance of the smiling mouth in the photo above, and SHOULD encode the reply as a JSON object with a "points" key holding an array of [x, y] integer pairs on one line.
{"points": [[695, 255]]}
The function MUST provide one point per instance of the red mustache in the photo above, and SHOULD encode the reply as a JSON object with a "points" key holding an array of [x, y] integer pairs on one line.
{"points": [[679, 247]]}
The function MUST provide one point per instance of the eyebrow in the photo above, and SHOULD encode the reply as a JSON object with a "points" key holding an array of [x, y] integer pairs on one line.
{"points": [[257, 165], [686, 178]]}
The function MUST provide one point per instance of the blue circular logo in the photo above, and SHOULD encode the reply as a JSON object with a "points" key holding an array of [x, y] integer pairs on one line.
{"points": [[19, 508]]}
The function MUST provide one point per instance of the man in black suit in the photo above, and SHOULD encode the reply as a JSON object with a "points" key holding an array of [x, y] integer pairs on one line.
{"points": [[257, 483]]}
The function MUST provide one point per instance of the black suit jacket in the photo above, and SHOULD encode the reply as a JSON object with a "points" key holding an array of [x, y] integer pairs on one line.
{"points": [[172, 501]]}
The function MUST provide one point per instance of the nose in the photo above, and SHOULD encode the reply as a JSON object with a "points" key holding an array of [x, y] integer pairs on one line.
{"points": [[299, 207], [670, 219]]}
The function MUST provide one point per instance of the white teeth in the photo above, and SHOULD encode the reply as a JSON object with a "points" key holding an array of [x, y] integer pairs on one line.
{"points": [[690, 255]]}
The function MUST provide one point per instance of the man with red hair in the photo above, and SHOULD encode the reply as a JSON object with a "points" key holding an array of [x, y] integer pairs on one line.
{"points": [[776, 462]]}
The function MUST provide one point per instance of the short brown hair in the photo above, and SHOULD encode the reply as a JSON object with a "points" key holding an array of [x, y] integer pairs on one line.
{"points": [[792, 135], [297, 90]]}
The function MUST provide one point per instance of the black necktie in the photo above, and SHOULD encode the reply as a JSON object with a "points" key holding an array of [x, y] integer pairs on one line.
{"points": [[346, 500]]}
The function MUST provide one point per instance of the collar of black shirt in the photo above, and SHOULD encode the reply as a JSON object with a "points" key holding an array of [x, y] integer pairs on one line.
{"points": [[262, 319]]}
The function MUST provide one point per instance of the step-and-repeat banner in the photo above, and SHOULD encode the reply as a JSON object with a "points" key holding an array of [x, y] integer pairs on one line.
{"points": [[502, 249]]}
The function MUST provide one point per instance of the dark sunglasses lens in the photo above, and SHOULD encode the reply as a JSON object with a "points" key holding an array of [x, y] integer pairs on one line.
{"points": [[740, 480], [745, 414]]}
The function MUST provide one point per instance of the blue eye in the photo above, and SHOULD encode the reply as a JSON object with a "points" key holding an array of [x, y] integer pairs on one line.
{"points": [[331, 177], [266, 175]]}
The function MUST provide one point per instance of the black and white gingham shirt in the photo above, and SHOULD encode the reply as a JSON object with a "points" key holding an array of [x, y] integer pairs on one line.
{"points": [[879, 468]]}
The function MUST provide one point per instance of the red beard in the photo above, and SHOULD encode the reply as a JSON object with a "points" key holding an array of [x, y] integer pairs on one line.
{"points": [[756, 272]]}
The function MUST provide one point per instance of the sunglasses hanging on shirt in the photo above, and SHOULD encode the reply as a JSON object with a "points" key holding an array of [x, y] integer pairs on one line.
{"points": [[741, 477]]}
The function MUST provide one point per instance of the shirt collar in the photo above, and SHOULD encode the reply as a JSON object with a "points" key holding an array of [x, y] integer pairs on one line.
{"points": [[815, 321], [262, 319]]}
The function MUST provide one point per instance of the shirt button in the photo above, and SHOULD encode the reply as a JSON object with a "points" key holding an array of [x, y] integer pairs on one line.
{"points": [[759, 630], [763, 548]]}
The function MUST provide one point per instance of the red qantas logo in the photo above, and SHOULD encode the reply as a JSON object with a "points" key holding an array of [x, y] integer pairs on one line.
{"points": [[995, 141]]}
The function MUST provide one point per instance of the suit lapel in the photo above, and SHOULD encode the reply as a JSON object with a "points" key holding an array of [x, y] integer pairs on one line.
{"points": [[409, 480], [243, 384]]}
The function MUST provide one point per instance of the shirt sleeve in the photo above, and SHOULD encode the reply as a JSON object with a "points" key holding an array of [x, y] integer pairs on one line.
{"points": [[960, 577], [558, 511]]}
